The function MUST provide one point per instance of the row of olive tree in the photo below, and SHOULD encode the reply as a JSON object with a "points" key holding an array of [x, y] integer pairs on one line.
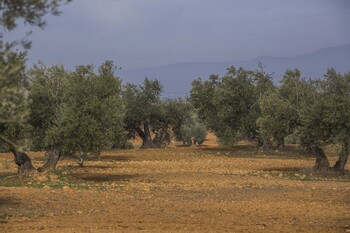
{"points": [[63, 112], [81, 112], [154, 119], [13, 82], [247, 104], [229, 105]]}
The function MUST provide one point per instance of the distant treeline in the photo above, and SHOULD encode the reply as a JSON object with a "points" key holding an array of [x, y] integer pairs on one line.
{"points": [[83, 112], [245, 104]]}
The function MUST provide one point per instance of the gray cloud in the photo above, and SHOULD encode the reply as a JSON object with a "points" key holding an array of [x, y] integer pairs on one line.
{"points": [[138, 33]]}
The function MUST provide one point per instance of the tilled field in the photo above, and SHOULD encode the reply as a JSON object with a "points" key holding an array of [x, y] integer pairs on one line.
{"points": [[176, 190]]}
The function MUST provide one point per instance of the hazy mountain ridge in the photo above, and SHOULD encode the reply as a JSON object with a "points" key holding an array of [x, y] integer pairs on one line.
{"points": [[177, 77]]}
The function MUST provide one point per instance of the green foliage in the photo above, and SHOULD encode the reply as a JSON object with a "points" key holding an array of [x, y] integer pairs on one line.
{"points": [[323, 115], [142, 104], [13, 85], [127, 146], [281, 108], [46, 98], [337, 95], [229, 105], [176, 113], [146, 113], [188, 128], [311, 115], [199, 133], [13, 82], [31, 12], [13, 96], [192, 130], [92, 114], [76, 111], [324, 111], [277, 115]]}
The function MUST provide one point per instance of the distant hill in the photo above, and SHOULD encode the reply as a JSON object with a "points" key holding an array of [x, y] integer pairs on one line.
{"points": [[177, 77]]}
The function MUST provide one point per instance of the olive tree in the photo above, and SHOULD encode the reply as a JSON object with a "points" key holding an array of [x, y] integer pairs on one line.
{"points": [[324, 118], [91, 116], [229, 105], [142, 109], [14, 108], [76, 112], [192, 131], [151, 118], [276, 118], [337, 94], [12, 92], [314, 128], [30, 12]]}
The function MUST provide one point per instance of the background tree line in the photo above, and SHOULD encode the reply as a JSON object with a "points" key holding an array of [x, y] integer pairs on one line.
{"points": [[83, 112], [246, 104]]}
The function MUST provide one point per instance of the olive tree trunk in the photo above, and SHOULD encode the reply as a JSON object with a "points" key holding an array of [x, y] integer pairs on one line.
{"points": [[145, 135], [159, 138], [23, 162], [53, 155], [81, 159], [343, 157], [322, 163], [280, 144], [264, 144]]}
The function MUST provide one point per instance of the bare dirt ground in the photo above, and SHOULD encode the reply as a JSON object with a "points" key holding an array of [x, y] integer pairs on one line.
{"points": [[203, 189]]}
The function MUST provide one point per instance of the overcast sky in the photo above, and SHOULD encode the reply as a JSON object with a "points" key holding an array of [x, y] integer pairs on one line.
{"points": [[141, 33]]}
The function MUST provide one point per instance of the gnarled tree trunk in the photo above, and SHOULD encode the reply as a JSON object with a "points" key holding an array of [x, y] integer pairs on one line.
{"points": [[280, 144], [187, 142], [159, 138], [145, 136], [23, 162], [81, 159], [343, 157], [322, 163], [264, 144], [53, 155]]}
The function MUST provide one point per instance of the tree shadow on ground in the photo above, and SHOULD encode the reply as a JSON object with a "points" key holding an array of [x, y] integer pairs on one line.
{"points": [[103, 177], [305, 170], [88, 166], [231, 148], [8, 202], [251, 150], [7, 205], [94, 166], [286, 169], [310, 173], [4, 175], [119, 158]]}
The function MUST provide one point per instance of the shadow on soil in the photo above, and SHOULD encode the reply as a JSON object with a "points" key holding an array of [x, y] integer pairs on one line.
{"points": [[8, 202], [306, 170], [87, 166], [119, 158], [309, 173], [250, 150], [286, 169], [103, 177], [7, 174]]}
